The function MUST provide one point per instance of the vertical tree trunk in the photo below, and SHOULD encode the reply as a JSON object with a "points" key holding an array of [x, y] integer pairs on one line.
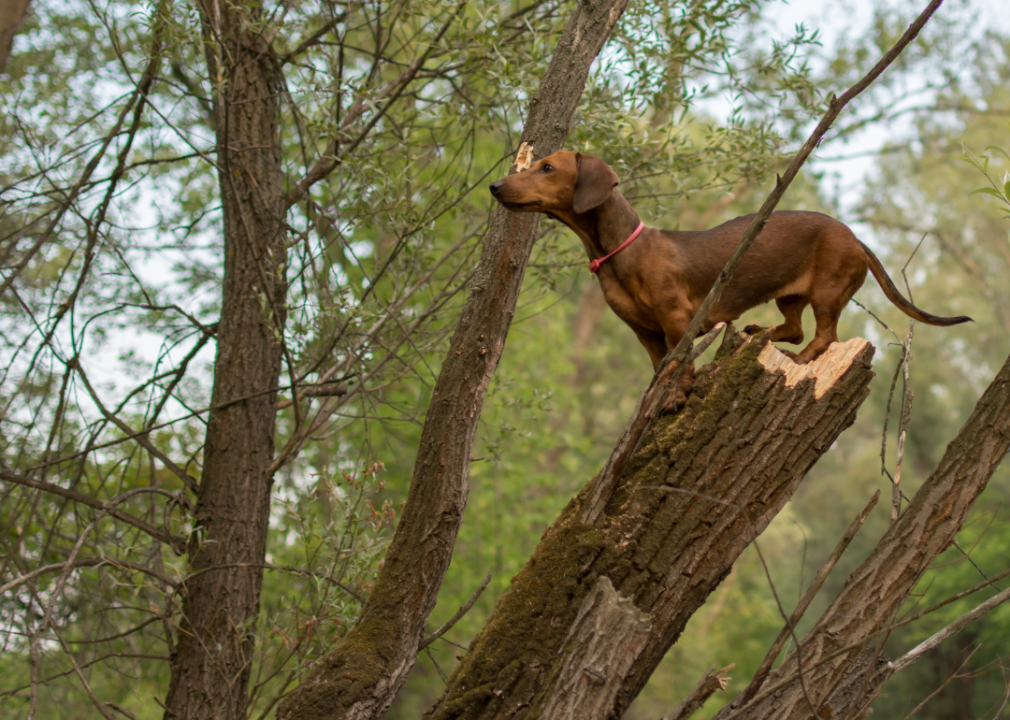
{"points": [[12, 12], [360, 677], [210, 668]]}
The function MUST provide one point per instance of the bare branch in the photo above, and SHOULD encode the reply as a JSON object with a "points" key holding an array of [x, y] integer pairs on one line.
{"points": [[906, 417], [808, 596], [463, 610], [142, 438], [314, 38], [175, 542], [934, 640], [86, 562], [707, 686]]}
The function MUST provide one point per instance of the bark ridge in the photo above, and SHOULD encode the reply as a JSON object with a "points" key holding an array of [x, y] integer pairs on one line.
{"points": [[701, 486]]}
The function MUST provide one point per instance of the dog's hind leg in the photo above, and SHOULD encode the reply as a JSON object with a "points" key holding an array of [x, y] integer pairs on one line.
{"points": [[791, 307], [827, 303]]}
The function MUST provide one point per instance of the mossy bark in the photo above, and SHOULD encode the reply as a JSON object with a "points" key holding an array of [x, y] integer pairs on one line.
{"points": [[873, 594], [360, 677], [702, 485]]}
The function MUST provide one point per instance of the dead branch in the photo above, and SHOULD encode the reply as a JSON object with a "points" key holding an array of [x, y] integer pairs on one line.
{"points": [[707, 686], [934, 640], [463, 610], [808, 596]]}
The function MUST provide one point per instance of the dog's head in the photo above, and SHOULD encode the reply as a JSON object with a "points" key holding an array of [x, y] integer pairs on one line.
{"points": [[563, 182]]}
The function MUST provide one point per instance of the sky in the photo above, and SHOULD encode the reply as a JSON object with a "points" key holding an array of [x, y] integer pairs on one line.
{"points": [[833, 18]]}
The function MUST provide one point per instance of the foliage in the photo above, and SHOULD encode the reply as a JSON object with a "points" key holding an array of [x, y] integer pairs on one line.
{"points": [[115, 312]]}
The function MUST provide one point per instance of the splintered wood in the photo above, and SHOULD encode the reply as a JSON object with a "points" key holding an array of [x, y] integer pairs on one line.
{"points": [[825, 370], [524, 158]]}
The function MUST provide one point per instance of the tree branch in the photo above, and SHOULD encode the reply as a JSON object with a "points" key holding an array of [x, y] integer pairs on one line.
{"points": [[709, 683], [934, 640], [808, 596], [463, 610], [86, 562], [407, 586], [313, 39], [174, 541]]}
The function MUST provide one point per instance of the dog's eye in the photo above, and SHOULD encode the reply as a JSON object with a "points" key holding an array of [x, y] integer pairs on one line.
{"points": [[547, 168]]}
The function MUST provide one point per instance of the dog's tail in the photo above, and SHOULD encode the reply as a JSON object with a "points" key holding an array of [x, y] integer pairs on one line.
{"points": [[899, 300]]}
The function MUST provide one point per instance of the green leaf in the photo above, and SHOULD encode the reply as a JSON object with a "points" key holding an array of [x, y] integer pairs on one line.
{"points": [[987, 191], [1000, 150], [985, 164], [1006, 190]]}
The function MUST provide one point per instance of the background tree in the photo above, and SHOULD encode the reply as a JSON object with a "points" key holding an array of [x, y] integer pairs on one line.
{"points": [[292, 186], [376, 258]]}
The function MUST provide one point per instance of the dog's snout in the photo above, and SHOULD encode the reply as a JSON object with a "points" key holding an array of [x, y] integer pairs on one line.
{"points": [[496, 186]]}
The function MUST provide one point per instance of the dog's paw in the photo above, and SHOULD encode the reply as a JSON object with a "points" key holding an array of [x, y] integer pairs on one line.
{"points": [[789, 354], [675, 402], [752, 329]]}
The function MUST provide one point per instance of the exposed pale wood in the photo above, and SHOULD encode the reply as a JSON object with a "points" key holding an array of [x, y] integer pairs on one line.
{"points": [[825, 370], [524, 158], [605, 639]]}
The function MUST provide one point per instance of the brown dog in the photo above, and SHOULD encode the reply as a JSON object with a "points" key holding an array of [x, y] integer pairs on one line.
{"points": [[657, 282]]}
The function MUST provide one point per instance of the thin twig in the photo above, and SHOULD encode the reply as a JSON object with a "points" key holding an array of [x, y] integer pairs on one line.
{"points": [[906, 415], [463, 610], [313, 38], [177, 543], [86, 562], [936, 638], [709, 683], [804, 603]]}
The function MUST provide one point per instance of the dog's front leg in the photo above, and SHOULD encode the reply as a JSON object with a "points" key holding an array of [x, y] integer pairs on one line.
{"points": [[677, 397], [675, 324]]}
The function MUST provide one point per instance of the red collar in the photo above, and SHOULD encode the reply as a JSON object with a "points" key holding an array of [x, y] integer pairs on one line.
{"points": [[595, 264]]}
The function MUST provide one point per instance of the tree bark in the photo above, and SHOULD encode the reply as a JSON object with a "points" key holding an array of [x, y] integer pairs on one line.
{"points": [[360, 677], [833, 650], [12, 12], [700, 487], [211, 664]]}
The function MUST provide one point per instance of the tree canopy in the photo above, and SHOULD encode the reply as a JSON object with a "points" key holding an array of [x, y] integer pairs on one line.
{"points": [[144, 229]]}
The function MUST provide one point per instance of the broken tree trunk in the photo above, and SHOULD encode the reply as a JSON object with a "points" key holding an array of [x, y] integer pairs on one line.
{"points": [[699, 489], [840, 674], [360, 677]]}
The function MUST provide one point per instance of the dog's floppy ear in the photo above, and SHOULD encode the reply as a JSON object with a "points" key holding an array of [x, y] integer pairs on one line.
{"points": [[593, 184]]}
